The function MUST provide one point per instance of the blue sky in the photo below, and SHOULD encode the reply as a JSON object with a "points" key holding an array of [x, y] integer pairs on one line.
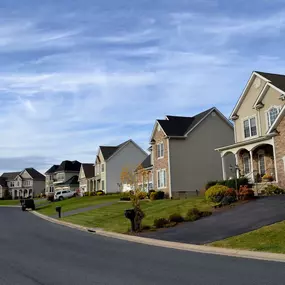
{"points": [[78, 74]]}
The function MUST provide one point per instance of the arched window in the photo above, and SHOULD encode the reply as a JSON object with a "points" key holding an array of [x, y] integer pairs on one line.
{"points": [[272, 114]]}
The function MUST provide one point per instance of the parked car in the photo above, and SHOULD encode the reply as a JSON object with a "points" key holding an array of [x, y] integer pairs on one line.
{"points": [[64, 194]]}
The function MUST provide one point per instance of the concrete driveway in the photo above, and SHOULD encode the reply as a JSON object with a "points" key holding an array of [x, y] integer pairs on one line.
{"points": [[221, 225], [34, 251]]}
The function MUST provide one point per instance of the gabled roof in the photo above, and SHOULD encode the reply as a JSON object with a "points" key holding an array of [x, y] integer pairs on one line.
{"points": [[68, 165], [178, 126], [88, 169], [52, 169], [10, 175], [34, 174], [3, 182], [146, 163], [276, 79], [71, 181], [108, 151]]}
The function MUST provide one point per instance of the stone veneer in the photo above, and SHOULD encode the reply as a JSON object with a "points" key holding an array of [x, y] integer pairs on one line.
{"points": [[160, 163], [280, 153]]}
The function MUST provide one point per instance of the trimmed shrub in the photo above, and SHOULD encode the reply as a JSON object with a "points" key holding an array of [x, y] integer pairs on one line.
{"points": [[50, 198], [245, 193], [157, 195], [230, 183], [176, 218], [100, 193], [160, 195], [125, 196], [193, 214], [206, 214], [160, 223], [216, 193], [142, 195], [227, 200], [271, 190]]}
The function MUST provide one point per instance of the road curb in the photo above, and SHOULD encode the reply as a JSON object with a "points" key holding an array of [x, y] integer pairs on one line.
{"points": [[10, 206], [173, 245]]}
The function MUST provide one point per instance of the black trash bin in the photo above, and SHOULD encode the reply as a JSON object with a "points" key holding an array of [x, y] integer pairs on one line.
{"points": [[28, 204], [130, 214]]}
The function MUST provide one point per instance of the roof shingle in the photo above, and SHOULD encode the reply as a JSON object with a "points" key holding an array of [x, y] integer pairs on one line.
{"points": [[88, 169], [277, 80], [108, 151], [180, 126]]}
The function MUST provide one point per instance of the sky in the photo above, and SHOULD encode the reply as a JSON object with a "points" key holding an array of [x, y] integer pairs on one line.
{"points": [[76, 74]]}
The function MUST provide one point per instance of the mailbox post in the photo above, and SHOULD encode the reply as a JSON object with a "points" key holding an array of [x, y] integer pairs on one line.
{"points": [[58, 209]]}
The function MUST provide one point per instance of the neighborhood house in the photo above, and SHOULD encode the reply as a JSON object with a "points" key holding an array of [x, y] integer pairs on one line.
{"points": [[27, 183], [259, 124], [183, 155]]}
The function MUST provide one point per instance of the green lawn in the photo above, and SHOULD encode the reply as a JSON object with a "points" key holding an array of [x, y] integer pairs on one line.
{"points": [[75, 203], [269, 239], [9, 202], [111, 218]]}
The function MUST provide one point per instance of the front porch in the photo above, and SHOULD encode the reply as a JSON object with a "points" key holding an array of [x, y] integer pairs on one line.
{"points": [[255, 160]]}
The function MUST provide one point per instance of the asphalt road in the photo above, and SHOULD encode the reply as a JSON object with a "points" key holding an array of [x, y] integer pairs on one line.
{"points": [[34, 251]]}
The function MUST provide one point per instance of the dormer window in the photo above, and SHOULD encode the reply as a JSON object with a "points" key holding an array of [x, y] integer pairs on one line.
{"points": [[272, 114], [249, 126]]}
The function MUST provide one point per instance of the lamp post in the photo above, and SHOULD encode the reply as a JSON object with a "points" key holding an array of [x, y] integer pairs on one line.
{"points": [[234, 170]]}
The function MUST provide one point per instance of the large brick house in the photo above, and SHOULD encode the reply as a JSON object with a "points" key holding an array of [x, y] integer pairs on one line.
{"points": [[183, 156], [259, 120]]}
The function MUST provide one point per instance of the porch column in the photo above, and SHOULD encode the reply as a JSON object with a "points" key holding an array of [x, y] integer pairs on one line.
{"points": [[251, 165], [237, 164], [224, 168]]}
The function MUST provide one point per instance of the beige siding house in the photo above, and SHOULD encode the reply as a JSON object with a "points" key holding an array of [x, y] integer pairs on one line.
{"points": [[87, 178], [27, 183], [183, 156], [258, 118], [112, 160]]}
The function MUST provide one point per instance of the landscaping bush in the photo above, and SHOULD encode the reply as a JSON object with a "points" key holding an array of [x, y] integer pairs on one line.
{"points": [[230, 183], [100, 193], [216, 193], [206, 214], [245, 193], [227, 200], [7, 195], [157, 195], [193, 214], [142, 195], [160, 223], [50, 197], [125, 196], [176, 218], [271, 190]]}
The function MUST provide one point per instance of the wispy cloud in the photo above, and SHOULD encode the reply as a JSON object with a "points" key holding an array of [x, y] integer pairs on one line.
{"points": [[100, 74]]}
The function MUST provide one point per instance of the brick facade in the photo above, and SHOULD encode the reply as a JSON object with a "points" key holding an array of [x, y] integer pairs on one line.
{"points": [[280, 153], [160, 163]]}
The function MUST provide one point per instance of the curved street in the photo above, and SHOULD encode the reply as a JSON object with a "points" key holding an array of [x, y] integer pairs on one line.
{"points": [[34, 251]]}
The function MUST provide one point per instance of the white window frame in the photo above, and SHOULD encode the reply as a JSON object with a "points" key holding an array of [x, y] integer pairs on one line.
{"points": [[102, 167], [249, 163], [261, 153], [158, 173], [256, 123], [158, 150], [267, 114], [103, 184]]}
